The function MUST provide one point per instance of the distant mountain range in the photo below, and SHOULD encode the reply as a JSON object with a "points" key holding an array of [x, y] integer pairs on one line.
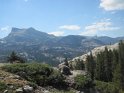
{"points": [[43, 47]]}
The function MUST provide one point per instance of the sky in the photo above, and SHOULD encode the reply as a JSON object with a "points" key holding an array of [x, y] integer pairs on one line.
{"points": [[64, 17]]}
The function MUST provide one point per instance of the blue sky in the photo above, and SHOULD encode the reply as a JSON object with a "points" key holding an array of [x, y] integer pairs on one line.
{"points": [[64, 17]]}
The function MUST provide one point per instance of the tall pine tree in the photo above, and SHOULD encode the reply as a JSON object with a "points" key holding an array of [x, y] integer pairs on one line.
{"points": [[90, 64], [108, 65], [100, 68], [121, 62], [117, 76], [115, 59]]}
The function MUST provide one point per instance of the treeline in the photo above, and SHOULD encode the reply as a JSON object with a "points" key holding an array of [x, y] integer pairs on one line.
{"points": [[108, 66]]}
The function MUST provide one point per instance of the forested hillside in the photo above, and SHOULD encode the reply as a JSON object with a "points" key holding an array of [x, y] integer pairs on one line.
{"points": [[107, 68]]}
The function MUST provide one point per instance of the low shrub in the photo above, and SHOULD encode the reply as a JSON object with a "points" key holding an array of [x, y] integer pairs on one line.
{"points": [[83, 82], [41, 74], [3, 86], [56, 79], [29, 68], [106, 87]]}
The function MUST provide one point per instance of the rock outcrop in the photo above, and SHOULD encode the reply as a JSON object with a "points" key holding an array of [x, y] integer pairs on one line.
{"points": [[95, 51], [64, 69]]}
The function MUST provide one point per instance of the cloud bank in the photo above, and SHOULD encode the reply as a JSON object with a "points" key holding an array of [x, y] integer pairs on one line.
{"points": [[4, 31], [99, 26], [57, 33], [70, 27], [110, 5]]}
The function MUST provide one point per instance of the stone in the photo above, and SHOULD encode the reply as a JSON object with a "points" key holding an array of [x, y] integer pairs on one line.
{"points": [[1, 78], [19, 90], [65, 70], [14, 77], [79, 92], [46, 91], [11, 86], [28, 89], [6, 91]]}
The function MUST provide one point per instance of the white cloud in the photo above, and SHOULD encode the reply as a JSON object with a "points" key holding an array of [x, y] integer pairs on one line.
{"points": [[105, 25], [57, 33], [110, 5], [4, 31], [70, 27], [6, 28]]}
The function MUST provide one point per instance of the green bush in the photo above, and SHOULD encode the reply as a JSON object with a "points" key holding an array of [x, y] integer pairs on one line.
{"points": [[56, 79], [41, 74], [33, 72], [106, 87], [29, 68], [33, 85], [2, 86], [83, 82]]}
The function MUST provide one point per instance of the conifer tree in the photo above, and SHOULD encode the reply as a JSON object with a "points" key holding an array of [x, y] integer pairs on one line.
{"points": [[117, 76], [118, 73], [108, 65], [66, 62], [15, 58], [100, 68], [121, 62], [79, 65], [115, 60], [90, 63]]}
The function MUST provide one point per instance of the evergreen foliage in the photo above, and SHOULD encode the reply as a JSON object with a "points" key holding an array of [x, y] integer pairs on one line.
{"points": [[90, 64], [14, 58], [83, 82], [105, 87], [66, 62], [108, 66], [2, 86], [79, 65], [121, 63]]}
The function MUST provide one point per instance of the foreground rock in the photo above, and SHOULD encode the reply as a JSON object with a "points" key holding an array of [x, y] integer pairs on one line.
{"points": [[27, 89], [19, 90], [64, 69]]}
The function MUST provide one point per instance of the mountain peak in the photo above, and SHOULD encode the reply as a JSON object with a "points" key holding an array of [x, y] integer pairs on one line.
{"points": [[14, 29], [21, 30], [31, 28], [27, 35]]}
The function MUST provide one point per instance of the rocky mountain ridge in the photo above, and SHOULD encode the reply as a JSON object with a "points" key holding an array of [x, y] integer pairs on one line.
{"points": [[42, 47]]}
